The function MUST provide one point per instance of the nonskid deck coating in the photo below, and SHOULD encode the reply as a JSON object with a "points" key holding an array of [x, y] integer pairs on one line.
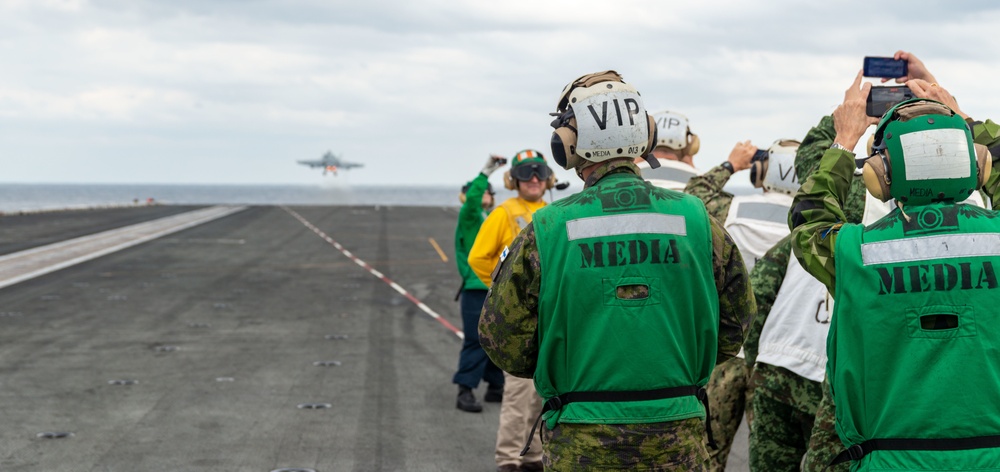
{"points": [[249, 304], [24, 231]]}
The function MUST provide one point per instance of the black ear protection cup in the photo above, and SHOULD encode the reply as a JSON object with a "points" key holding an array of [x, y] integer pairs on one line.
{"points": [[758, 169], [563, 141]]}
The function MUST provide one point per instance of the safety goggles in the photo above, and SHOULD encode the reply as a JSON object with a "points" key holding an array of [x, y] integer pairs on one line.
{"points": [[524, 172]]}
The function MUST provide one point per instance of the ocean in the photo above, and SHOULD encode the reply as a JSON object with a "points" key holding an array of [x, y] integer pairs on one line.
{"points": [[40, 197], [37, 197]]}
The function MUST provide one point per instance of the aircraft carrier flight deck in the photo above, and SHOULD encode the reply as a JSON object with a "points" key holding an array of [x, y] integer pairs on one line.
{"points": [[170, 338]]}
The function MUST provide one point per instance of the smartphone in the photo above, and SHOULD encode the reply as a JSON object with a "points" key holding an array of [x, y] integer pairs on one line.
{"points": [[760, 155], [884, 67], [882, 98]]}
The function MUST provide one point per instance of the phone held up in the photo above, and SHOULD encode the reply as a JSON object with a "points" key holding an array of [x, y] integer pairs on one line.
{"points": [[882, 98], [884, 67]]}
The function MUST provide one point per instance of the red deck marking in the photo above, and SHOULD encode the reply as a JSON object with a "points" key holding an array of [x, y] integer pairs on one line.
{"points": [[377, 274]]}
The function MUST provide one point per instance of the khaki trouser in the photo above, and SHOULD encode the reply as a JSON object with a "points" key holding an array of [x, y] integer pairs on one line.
{"points": [[520, 407]]}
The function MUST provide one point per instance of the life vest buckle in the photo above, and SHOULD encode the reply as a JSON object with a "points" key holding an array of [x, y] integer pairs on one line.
{"points": [[856, 452], [553, 404]]}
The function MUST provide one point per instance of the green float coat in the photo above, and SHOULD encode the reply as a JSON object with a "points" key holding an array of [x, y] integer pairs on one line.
{"points": [[914, 345], [470, 218], [595, 335]]}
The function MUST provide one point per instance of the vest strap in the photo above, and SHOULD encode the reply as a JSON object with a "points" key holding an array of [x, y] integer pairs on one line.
{"points": [[557, 402], [858, 451]]}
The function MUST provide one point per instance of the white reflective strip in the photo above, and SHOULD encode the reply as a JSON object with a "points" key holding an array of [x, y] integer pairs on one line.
{"points": [[669, 173], [635, 223], [936, 154], [773, 212], [931, 247]]}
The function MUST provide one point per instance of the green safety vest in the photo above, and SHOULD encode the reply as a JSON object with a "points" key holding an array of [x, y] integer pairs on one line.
{"points": [[914, 345], [625, 232]]}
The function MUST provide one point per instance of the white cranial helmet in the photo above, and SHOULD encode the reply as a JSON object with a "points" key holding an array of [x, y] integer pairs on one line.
{"points": [[600, 117], [776, 173], [673, 131]]}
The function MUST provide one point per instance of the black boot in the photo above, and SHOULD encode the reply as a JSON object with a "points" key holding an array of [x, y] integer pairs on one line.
{"points": [[467, 401], [494, 394]]}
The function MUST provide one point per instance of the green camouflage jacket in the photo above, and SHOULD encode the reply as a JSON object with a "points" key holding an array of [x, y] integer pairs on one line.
{"points": [[508, 325], [828, 180], [766, 278], [988, 134], [708, 188]]}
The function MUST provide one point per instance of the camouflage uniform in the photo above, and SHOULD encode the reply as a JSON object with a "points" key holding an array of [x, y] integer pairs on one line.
{"points": [[729, 394], [784, 403], [988, 134], [824, 444], [816, 216], [708, 188], [508, 333]]}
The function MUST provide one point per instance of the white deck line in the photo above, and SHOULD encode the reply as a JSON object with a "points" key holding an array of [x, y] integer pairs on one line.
{"points": [[31, 263]]}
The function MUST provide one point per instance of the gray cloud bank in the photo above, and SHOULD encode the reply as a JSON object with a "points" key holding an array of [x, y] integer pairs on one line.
{"points": [[422, 91]]}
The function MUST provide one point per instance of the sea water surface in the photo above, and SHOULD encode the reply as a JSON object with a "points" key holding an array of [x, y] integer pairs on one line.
{"points": [[16, 197], [35, 197]]}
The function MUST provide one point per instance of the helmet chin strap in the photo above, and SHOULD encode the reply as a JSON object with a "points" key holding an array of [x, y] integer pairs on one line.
{"points": [[653, 162]]}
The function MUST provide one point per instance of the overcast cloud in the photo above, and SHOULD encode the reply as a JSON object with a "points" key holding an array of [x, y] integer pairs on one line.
{"points": [[106, 91]]}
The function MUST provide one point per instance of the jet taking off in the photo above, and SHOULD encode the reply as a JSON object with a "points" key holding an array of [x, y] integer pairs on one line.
{"points": [[330, 162]]}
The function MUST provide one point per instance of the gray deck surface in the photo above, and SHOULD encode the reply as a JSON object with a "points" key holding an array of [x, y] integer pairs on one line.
{"points": [[247, 302], [20, 232]]}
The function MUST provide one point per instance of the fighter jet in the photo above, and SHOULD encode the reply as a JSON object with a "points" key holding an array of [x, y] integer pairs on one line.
{"points": [[330, 162]]}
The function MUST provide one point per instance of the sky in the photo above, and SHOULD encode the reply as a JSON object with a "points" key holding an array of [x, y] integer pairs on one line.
{"points": [[422, 91]]}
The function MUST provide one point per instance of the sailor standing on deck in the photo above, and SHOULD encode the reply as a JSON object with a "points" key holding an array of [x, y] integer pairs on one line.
{"points": [[912, 359], [786, 346], [756, 223], [674, 150], [640, 294], [531, 177], [824, 444], [473, 365]]}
